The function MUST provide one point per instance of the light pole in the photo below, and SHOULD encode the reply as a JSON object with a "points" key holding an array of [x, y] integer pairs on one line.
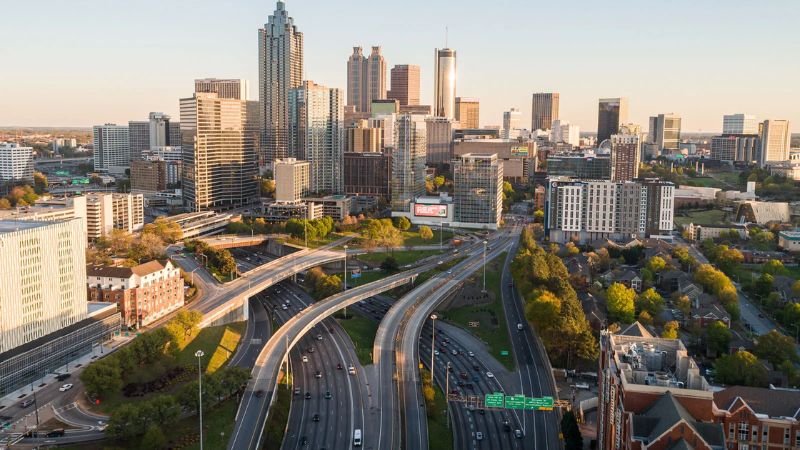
{"points": [[433, 341], [305, 228], [484, 265], [344, 285], [192, 272], [199, 354], [205, 259], [447, 393], [441, 233]]}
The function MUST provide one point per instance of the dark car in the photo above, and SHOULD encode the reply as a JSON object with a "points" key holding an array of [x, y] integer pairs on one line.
{"points": [[58, 432], [476, 367], [315, 418], [310, 349], [62, 376], [259, 393], [339, 366], [308, 395], [469, 386], [463, 375]]}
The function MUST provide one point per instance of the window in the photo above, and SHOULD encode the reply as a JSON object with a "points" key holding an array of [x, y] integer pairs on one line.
{"points": [[786, 436], [755, 433], [743, 435], [730, 430]]}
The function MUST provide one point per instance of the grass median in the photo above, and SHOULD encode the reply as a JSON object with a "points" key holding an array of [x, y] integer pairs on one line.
{"points": [[403, 257], [362, 332]]}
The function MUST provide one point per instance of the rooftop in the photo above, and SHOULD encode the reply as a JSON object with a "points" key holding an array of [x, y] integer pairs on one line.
{"points": [[11, 226], [772, 403]]}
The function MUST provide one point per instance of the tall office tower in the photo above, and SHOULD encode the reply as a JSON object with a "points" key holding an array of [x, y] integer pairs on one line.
{"points": [[138, 138], [43, 285], [511, 122], [544, 110], [316, 115], [444, 88], [739, 124], [439, 140], [665, 132], [362, 138], [218, 148], [224, 88], [292, 180], [612, 113], [736, 147], [563, 131], [368, 174], [478, 182], [625, 156], [280, 68], [376, 76], [162, 131], [112, 151], [405, 84], [16, 162], [775, 139], [408, 161], [366, 79], [468, 112]]}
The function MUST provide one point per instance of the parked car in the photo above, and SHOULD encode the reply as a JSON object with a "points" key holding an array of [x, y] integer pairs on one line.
{"points": [[65, 387]]}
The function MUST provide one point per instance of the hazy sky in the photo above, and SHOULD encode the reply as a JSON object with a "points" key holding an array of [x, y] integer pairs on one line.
{"points": [[85, 62]]}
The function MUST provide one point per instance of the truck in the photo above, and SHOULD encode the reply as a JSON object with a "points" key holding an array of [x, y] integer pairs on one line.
{"points": [[357, 437]]}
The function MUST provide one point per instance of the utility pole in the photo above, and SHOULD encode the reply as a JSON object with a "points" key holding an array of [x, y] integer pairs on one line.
{"points": [[447, 392], [345, 278], [433, 342], [484, 265]]}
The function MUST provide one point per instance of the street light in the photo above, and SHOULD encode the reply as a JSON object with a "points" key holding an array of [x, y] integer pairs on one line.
{"points": [[199, 354], [484, 265], [192, 272], [447, 393], [433, 341], [344, 285]]}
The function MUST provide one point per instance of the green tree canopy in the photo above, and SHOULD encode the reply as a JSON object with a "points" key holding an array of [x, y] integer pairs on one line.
{"points": [[425, 232], [741, 368], [776, 348], [620, 302], [650, 301], [718, 337]]}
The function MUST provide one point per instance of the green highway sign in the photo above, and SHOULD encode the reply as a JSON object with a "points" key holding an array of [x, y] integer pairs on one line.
{"points": [[537, 403], [515, 401], [503, 352], [493, 400]]}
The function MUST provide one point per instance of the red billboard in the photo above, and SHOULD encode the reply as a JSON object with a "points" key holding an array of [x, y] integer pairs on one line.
{"points": [[422, 210]]}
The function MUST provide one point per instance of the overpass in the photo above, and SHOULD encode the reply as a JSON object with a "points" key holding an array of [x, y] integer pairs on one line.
{"points": [[235, 241]]}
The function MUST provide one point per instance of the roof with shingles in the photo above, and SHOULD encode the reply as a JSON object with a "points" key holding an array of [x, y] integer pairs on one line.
{"points": [[772, 402]]}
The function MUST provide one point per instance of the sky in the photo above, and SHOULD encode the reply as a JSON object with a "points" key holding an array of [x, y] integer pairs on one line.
{"points": [[87, 62]]}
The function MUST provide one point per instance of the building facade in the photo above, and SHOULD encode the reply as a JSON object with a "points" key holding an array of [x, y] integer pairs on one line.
{"points": [[444, 88], [237, 89], [512, 119], [739, 124], [112, 151], [368, 174], [468, 112], [736, 148], [588, 166], [408, 161], [292, 180], [544, 110], [775, 140], [565, 132], [280, 68], [219, 152], [612, 112], [518, 158], [366, 79], [138, 138], [665, 132], [439, 140], [316, 118], [16, 162], [405, 84], [362, 137], [478, 184], [625, 157]]}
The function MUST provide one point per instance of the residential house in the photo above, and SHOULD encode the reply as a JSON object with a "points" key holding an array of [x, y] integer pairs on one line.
{"points": [[631, 279]]}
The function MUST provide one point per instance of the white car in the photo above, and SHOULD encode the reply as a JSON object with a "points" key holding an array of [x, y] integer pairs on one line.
{"points": [[351, 370], [436, 352], [478, 436], [471, 354], [65, 387], [284, 307], [305, 358], [489, 375]]}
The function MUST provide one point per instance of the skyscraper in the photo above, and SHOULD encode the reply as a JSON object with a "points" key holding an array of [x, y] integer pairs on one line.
{"points": [[468, 112], [511, 122], [408, 161], [625, 156], [444, 89], [376, 76], [366, 79], [739, 124], [438, 140], [665, 132], [405, 84], [224, 88], [112, 151], [280, 68], [138, 138], [775, 139], [544, 108], [16, 162], [219, 151], [316, 115], [478, 183], [612, 113]]}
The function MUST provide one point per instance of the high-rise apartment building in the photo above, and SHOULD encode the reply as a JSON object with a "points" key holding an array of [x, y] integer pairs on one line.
{"points": [[775, 139], [362, 138], [43, 285], [218, 148], [408, 161], [292, 180], [478, 184], [562, 131], [16, 162], [444, 88], [739, 124], [280, 68], [518, 158], [736, 147], [234, 88], [511, 123], [590, 166], [316, 115], [405, 84], [138, 138], [368, 173], [665, 132], [157, 131], [112, 151], [366, 79], [468, 112], [544, 106], [612, 112], [439, 140], [625, 156]]}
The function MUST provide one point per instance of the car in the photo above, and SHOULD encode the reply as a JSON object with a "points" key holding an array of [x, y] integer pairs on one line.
{"points": [[305, 358], [449, 272], [25, 403], [351, 370], [475, 379], [460, 383], [318, 374], [489, 375], [506, 425], [436, 352], [450, 369], [310, 349], [58, 432], [518, 433], [296, 391], [469, 386], [259, 393], [284, 307], [339, 366], [308, 396], [440, 263], [319, 337], [328, 395], [315, 418], [478, 435], [482, 412], [454, 391], [62, 376], [519, 327], [471, 354], [476, 367], [65, 387], [463, 375], [454, 352]]}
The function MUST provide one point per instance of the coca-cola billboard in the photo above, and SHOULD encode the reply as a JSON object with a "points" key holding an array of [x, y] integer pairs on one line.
{"points": [[421, 210]]}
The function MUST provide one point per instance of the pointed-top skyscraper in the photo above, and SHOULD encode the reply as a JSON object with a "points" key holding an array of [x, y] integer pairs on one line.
{"points": [[280, 68]]}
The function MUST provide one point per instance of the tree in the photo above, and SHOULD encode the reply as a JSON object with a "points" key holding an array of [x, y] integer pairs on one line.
{"points": [[728, 259], [389, 264], [538, 216], [620, 302], [741, 368], [438, 181], [119, 241], [718, 337], [543, 311], [572, 433], [154, 438], [184, 325], [168, 230], [656, 264], [402, 223], [39, 183], [684, 304], [670, 330], [645, 318], [328, 286], [650, 301], [148, 248], [102, 378], [571, 249], [267, 188], [773, 267], [776, 348], [4, 204], [425, 232]]}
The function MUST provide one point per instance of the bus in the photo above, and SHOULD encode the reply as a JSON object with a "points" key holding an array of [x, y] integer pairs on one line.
{"points": [[357, 437]]}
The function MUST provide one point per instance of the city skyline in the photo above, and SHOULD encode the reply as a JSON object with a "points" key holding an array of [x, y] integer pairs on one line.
{"points": [[227, 48]]}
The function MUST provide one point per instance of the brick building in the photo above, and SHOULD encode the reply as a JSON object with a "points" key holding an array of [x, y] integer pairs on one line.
{"points": [[759, 418], [143, 293]]}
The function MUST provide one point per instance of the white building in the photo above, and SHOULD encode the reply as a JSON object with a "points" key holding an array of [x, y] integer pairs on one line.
{"points": [[478, 185], [112, 151], [292, 180], [408, 161], [43, 284], [127, 211], [739, 124], [775, 138], [316, 129], [511, 121], [16, 162], [563, 131]]}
